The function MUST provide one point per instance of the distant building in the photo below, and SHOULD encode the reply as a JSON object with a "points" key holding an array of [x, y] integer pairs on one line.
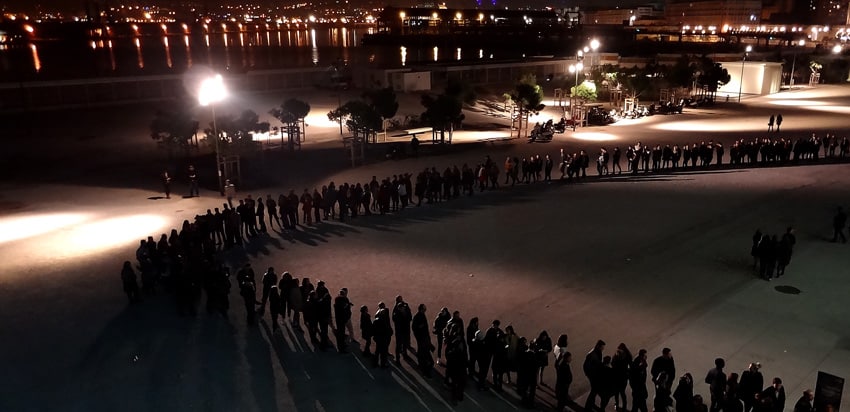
{"points": [[713, 12], [619, 16]]}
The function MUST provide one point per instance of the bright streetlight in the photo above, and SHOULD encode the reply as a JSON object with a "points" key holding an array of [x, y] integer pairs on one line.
{"points": [[837, 49], [211, 92], [743, 59]]}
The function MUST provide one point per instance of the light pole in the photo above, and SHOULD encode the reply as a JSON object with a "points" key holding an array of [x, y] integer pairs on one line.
{"points": [[211, 92], [594, 44], [793, 64], [741, 84]]}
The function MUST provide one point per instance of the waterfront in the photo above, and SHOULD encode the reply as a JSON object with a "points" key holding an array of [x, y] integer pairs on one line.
{"points": [[154, 49]]}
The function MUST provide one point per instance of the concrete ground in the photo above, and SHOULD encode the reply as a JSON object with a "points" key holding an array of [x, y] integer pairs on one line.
{"points": [[653, 261]]}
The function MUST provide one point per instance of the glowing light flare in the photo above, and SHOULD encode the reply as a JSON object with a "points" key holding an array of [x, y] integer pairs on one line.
{"points": [[594, 136], [139, 58], [16, 227], [436, 53], [403, 55], [212, 90], [108, 234]]}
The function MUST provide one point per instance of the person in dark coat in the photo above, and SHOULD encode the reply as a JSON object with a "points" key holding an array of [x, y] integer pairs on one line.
{"points": [[621, 362], [269, 280], [249, 297], [804, 404], [607, 383], [421, 333], [543, 347], [487, 351], [456, 360], [440, 323], [323, 313], [311, 315], [592, 370], [662, 401], [166, 184], [637, 381], [128, 279], [366, 330], [684, 394], [733, 403], [342, 315], [716, 379], [526, 378], [751, 384], [774, 395], [563, 380], [382, 332], [767, 256], [666, 364], [274, 305], [401, 320]]}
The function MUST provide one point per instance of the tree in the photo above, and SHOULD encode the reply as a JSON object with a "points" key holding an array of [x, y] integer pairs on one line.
{"points": [[174, 129], [292, 113], [639, 80], [527, 95], [585, 91], [442, 112], [384, 102], [235, 134], [360, 117], [681, 74], [463, 91], [712, 75]]}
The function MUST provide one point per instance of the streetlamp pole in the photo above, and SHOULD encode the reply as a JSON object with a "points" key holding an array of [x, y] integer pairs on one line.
{"points": [[211, 92], [793, 64], [741, 84]]}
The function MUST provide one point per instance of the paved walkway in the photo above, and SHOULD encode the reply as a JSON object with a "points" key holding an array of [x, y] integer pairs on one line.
{"points": [[653, 261]]}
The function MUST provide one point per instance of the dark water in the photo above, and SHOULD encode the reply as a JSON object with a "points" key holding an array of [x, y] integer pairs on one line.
{"points": [[172, 49]]}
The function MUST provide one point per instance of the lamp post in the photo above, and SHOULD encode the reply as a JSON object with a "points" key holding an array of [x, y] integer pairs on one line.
{"points": [[594, 44], [793, 64], [211, 92], [741, 84]]}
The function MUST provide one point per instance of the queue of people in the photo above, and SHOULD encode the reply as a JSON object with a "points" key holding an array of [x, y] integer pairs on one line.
{"points": [[187, 263]]}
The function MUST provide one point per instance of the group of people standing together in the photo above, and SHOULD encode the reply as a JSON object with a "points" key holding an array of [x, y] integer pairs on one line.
{"points": [[772, 255]]}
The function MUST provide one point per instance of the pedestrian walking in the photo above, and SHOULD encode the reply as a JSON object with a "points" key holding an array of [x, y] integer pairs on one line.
{"points": [[778, 121], [770, 123]]}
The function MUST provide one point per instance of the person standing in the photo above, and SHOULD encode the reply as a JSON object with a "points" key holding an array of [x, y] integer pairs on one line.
{"points": [[192, 174], [774, 396], [637, 381], [563, 379], [271, 208], [778, 121], [440, 323], [275, 307], [456, 360], [621, 363], [784, 251], [838, 224], [543, 347], [269, 280], [593, 370], [770, 123], [666, 365], [342, 315], [716, 379], [401, 320], [366, 330], [751, 384], [261, 214], [424, 347], [128, 279], [804, 404], [684, 394], [166, 183], [382, 332]]}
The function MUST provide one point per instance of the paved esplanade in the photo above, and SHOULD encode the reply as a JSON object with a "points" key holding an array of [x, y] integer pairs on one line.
{"points": [[652, 261]]}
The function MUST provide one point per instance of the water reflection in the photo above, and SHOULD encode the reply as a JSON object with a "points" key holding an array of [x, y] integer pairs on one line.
{"points": [[149, 49], [36, 61]]}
